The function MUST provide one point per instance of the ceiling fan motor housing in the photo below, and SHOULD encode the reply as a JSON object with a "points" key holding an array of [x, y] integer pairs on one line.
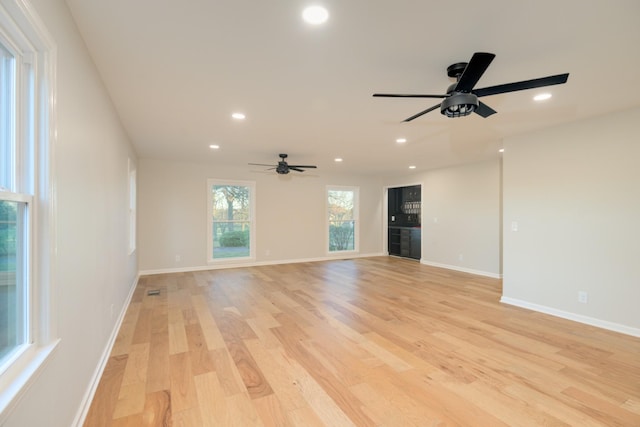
{"points": [[282, 168], [459, 104]]}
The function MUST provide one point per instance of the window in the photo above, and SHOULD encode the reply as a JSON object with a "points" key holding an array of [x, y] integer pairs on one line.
{"points": [[132, 207], [27, 64], [13, 276], [231, 225], [16, 199], [342, 208]]}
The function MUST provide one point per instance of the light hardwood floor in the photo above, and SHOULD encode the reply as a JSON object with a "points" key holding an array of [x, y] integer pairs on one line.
{"points": [[367, 342]]}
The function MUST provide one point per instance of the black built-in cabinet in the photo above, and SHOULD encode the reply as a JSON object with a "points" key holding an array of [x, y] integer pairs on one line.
{"points": [[404, 212]]}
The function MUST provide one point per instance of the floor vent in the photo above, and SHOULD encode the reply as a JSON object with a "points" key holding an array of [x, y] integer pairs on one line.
{"points": [[153, 292]]}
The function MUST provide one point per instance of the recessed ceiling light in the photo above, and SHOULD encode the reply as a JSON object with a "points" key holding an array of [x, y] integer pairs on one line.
{"points": [[412, 167], [542, 97], [501, 150], [238, 116], [214, 146], [337, 159], [315, 15], [401, 140]]}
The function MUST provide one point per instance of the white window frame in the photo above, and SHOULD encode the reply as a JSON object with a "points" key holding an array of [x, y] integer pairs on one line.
{"points": [[24, 35], [356, 218], [252, 222]]}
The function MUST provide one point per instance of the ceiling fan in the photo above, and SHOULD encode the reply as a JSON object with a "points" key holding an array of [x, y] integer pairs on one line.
{"points": [[283, 167], [462, 99]]}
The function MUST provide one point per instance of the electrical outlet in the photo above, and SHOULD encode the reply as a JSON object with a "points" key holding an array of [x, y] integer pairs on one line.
{"points": [[583, 297], [178, 258], [461, 257], [514, 225]]}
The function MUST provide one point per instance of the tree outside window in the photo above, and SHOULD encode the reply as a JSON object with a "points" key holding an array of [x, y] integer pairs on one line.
{"points": [[12, 294], [342, 219], [231, 221]]}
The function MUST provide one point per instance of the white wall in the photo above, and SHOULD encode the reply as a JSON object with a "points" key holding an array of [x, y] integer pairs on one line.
{"points": [[460, 216], [574, 191], [93, 268], [290, 212]]}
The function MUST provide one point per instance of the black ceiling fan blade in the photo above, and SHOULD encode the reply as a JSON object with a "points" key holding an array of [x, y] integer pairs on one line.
{"points": [[297, 169], [484, 110], [302, 166], [523, 85], [400, 95], [421, 113], [475, 69], [261, 164]]}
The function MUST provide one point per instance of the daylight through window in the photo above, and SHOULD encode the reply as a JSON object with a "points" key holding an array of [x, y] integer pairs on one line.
{"points": [[231, 224], [342, 215], [15, 203]]}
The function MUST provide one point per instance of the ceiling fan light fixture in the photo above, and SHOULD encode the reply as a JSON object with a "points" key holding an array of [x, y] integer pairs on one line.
{"points": [[542, 97], [459, 105]]}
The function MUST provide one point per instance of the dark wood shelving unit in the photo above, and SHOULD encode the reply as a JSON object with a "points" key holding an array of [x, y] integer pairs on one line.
{"points": [[404, 218]]}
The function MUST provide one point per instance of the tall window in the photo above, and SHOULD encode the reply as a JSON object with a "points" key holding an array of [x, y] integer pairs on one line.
{"points": [[27, 64], [16, 199], [342, 208], [231, 224]]}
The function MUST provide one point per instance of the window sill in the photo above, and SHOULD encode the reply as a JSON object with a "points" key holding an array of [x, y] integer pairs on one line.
{"points": [[17, 379], [231, 261]]}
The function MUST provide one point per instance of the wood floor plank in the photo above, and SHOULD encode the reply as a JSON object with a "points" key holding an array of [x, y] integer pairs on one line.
{"points": [[187, 418], [279, 371], [101, 410], [132, 394], [242, 413], [331, 386], [391, 407], [158, 378], [374, 341], [130, 400], [157, 409], [270, 411], [135, 420], [183, 392], [212, 334], [227, 372], [201, 361], [211, 400], [252, 377]]}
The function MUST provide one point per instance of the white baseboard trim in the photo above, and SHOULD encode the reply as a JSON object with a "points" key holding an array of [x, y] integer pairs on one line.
{"points": [[97, 375], [462, 269], [611, 326], [219, 266]]}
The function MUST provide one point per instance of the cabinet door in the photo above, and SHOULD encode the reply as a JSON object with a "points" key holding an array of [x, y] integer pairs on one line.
{"points": [[405, 242], [393, 241], [416, 239]]}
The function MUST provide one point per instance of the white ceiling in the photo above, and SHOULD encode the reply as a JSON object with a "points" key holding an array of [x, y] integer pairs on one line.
{"points": [[177, 69]]}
